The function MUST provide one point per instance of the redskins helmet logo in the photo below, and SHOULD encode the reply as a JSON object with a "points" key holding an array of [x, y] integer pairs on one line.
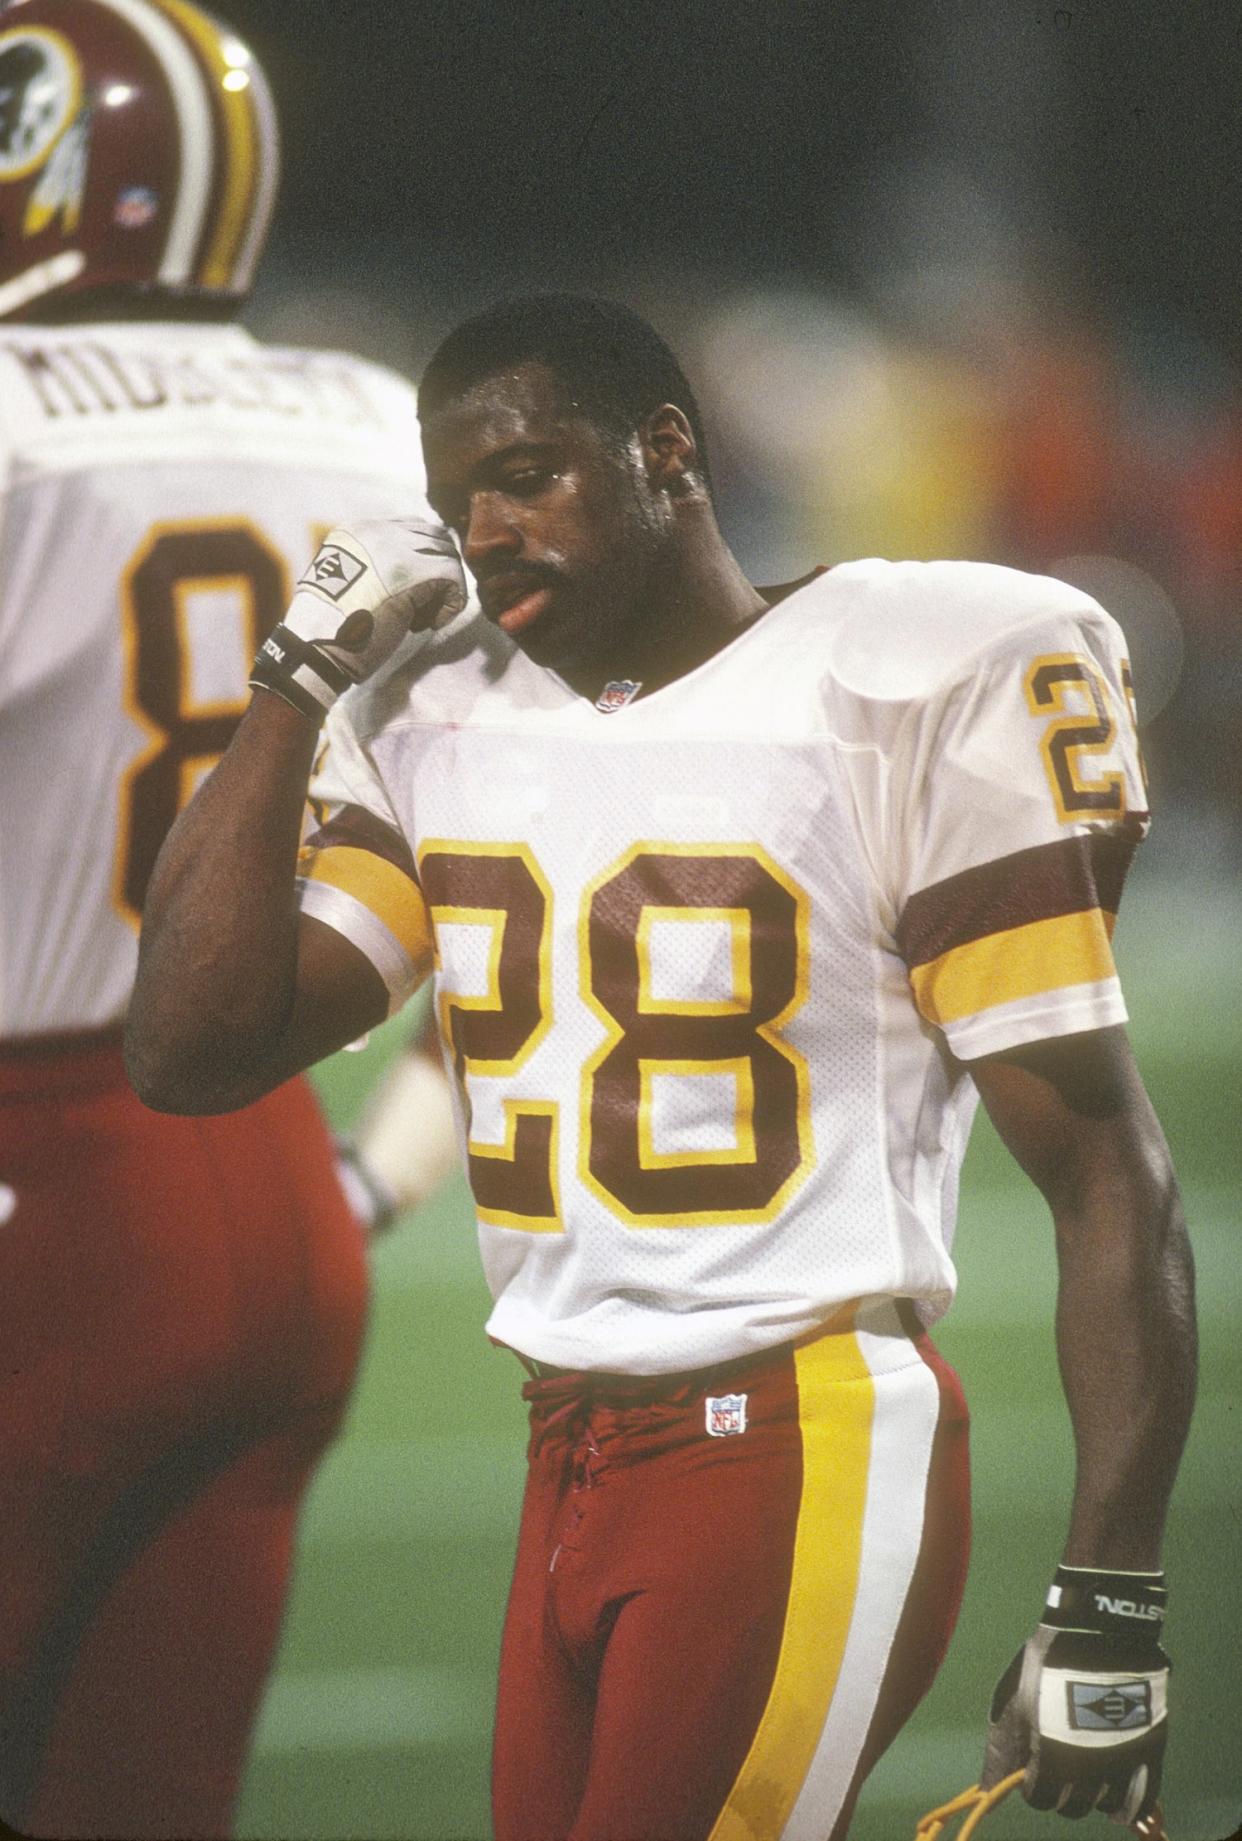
{"points": [[138, 150], [40, 95]]}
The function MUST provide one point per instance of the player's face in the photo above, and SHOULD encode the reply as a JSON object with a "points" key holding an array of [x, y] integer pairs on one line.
{"points": [[561, 532]]}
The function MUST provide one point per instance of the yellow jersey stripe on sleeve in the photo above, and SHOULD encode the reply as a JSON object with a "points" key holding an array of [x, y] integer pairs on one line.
{"points": [[1018, 962], [386, 891]]}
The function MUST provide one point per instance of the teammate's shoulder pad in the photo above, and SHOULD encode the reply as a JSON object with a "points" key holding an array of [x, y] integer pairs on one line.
{"points": [[336, 355], [379, 383], [899, 630]]}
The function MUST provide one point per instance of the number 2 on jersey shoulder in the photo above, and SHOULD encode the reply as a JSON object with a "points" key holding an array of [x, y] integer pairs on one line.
{"points": [[1073, 735]]}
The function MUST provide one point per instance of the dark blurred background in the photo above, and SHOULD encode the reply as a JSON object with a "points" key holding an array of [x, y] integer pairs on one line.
{"points": [[953, 277]]}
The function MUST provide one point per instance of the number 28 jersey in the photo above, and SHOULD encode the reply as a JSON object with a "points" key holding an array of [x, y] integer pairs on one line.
{"points": [[162, 486], [708, 966]]}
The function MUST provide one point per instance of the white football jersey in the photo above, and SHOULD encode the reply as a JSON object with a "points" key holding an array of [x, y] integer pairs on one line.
{"points": [[163, 485], [700, 960]]}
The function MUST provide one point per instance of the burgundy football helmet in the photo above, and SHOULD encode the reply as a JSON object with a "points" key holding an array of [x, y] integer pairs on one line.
{"points": [[138, 151]]}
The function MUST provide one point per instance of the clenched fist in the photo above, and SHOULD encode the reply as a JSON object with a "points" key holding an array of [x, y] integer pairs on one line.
{"points": [[367, 587]]}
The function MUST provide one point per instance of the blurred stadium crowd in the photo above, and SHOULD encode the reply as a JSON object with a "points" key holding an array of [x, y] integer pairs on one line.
{"points": [[957, 417]]}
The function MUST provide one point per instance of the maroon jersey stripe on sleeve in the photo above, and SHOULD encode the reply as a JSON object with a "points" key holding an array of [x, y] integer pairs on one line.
{"points": [[1042, 883], [354, 826]]}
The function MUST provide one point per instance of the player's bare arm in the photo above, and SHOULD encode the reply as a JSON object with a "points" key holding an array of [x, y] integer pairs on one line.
{"points": [[1074, 1113], [236, 990]]}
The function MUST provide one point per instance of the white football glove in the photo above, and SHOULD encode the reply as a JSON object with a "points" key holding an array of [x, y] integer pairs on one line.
{"points": [[407, 1137], [406, 1141], [1083, 1705], [368, 586]]}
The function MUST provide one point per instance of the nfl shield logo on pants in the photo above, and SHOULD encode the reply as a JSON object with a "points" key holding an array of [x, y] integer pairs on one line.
{"points": [[726, 1414]]}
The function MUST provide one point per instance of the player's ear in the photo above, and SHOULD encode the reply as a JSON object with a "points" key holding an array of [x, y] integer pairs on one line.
{"points": [[670, 452]]}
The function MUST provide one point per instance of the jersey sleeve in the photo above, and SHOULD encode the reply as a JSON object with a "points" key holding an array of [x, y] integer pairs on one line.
{"points": [[1023, 799], [356, 870]]}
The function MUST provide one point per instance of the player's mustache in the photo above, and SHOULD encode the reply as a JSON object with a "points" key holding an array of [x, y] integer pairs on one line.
{"points": [[529, 575], [501, 583]]}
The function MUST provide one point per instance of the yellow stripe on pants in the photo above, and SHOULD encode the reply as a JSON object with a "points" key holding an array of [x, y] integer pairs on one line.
{"points": [[836, 1401]]}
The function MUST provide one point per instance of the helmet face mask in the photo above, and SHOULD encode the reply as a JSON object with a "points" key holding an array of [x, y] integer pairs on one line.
{"points": [[138, 154]]}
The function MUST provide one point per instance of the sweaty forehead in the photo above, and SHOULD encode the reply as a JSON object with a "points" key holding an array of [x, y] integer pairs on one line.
{"points": [[527, 404]]}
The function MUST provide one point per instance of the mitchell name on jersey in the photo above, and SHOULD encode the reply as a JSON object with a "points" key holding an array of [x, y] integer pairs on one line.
{"points": [[708, 965]]}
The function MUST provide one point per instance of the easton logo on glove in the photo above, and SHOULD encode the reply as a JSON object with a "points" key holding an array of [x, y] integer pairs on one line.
{"points": [[333, 570], [1127, 1607], [1113, 1709], [367, 589]]}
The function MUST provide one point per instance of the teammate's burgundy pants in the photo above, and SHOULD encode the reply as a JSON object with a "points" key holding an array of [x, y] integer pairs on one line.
{"points": [[181, 1308]]}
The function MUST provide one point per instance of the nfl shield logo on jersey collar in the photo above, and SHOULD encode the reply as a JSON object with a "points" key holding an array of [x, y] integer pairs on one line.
{"points": [[616, 693], [726, 1414]]}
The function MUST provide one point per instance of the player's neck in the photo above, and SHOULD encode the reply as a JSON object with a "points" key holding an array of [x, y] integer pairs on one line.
{"points": [[700, 605]]}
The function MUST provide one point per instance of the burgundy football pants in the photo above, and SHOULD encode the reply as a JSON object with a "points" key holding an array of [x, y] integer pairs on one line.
{"points": [[716, 1632], [181, 1309]]}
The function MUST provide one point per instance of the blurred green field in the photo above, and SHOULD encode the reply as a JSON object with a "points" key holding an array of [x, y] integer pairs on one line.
{"points": [[377, 1722]]}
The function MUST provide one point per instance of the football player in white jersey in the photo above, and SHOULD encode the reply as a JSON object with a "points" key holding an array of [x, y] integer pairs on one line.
{"points": [[181, 1302], [735, 902]]}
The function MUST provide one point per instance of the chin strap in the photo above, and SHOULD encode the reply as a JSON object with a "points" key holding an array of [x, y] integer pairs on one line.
{"points": [[980, 1802]]}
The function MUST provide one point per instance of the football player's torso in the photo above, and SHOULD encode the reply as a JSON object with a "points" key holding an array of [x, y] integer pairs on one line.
{"points": [[163, 486], [666, 968]]}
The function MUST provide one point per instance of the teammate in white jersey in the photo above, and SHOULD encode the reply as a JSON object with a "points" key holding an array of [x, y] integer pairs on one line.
{"points": [[181, 1302], [735, 902]]}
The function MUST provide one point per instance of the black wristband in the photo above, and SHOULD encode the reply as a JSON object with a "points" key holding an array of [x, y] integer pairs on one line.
{"points": [[301, 673], [1110, 1603]]}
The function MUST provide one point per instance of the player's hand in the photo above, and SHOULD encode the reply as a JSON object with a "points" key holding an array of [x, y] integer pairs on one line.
{"points": [[1083, 1705], [366, 589]]}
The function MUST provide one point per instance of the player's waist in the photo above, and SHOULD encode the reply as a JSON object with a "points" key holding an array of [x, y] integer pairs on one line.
{"points": [[611, 1384], [69, 1061], [888, 1328]]}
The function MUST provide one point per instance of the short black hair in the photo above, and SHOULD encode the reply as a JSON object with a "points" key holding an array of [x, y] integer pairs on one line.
{"points": [[615, 366]]}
